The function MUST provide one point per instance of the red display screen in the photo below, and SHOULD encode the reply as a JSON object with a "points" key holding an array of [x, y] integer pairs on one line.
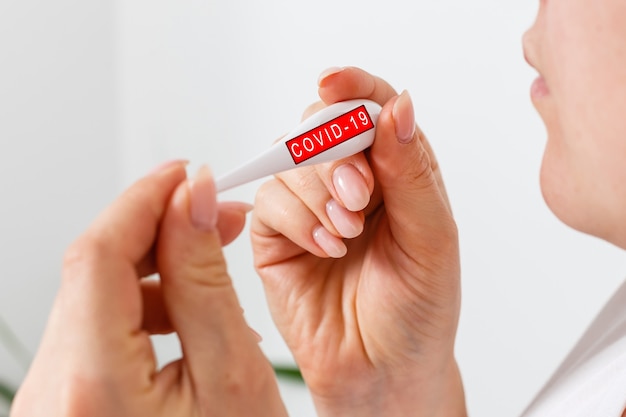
{"points": [[329, 134]]}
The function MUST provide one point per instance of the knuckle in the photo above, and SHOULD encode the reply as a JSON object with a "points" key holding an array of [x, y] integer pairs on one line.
{"points": [[266, 213], [313, 108], [423, 157], [202, 265], [209, 273], [306, 181], [87, 250], [415, 170], [421, 171], [263, 193]]}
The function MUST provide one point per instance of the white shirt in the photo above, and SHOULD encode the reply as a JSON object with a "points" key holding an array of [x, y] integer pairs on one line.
{"points": [[591, 382]]}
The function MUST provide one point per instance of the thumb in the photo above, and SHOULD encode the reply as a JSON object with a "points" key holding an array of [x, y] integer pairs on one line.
{"points": [[405, 168], [197, 289]]}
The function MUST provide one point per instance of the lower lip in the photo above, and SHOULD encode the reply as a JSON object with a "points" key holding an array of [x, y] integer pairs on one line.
{"points": [[539, 89]]}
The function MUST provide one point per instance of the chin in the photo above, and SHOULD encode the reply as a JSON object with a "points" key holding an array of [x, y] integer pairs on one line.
{"points": [[575, 206], [554, 190], [562, 193]]}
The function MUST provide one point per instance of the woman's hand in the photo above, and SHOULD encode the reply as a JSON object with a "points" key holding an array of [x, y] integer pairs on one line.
{"points": [[96, 357], [360, 263]]}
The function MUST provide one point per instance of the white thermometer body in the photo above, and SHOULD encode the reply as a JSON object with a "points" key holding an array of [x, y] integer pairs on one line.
{"points": [[337, 131]]}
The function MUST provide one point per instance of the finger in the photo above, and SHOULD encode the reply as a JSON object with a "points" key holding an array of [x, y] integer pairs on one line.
{"points": [[99, 273], [354, 198], [288, 227], [339, 84], [197, 290], [434, 165], [155, 318], [311, 190], [418, 213], [231, 220], [309, 187], [313, 108], [128, 227]]}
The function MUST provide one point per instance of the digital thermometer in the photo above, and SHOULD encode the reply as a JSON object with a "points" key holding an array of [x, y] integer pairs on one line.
{"points": [[337, 131]]}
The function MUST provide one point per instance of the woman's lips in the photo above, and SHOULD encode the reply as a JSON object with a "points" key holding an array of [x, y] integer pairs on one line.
{"points": [[539, 88]]}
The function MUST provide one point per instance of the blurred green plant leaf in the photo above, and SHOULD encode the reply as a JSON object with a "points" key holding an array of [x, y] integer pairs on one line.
{"points": [[13, 345], [7, 393], [288, 372]]}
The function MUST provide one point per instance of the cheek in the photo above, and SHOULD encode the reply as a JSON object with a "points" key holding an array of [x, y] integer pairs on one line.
{"points": [[582, 56], [586, 118]]}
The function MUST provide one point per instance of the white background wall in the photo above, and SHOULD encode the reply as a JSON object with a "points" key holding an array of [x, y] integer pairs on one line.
{"points": [[93, 94], [59, 148]]}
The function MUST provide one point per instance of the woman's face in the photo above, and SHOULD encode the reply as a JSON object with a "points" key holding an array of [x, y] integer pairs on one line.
{"points": [[579, 49]]}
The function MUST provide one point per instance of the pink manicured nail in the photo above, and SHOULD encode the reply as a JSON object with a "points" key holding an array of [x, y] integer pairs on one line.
{"points": [[347, 223], [332, 245], [166, 165], [404, 118], [351, 187], [327, 73], [203, 196]]}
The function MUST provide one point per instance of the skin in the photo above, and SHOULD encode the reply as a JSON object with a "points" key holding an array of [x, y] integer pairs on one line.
{"points": [[579, 48], [359, 257], [96, 357], [372, 319], [372, 331]]}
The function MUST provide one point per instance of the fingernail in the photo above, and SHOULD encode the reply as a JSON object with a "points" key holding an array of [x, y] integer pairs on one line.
{"points": [[168, 164], [351, 187], [203, 200], [347, 223], [404, 118], [332, 245], [257, 336], [327, 73]]}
